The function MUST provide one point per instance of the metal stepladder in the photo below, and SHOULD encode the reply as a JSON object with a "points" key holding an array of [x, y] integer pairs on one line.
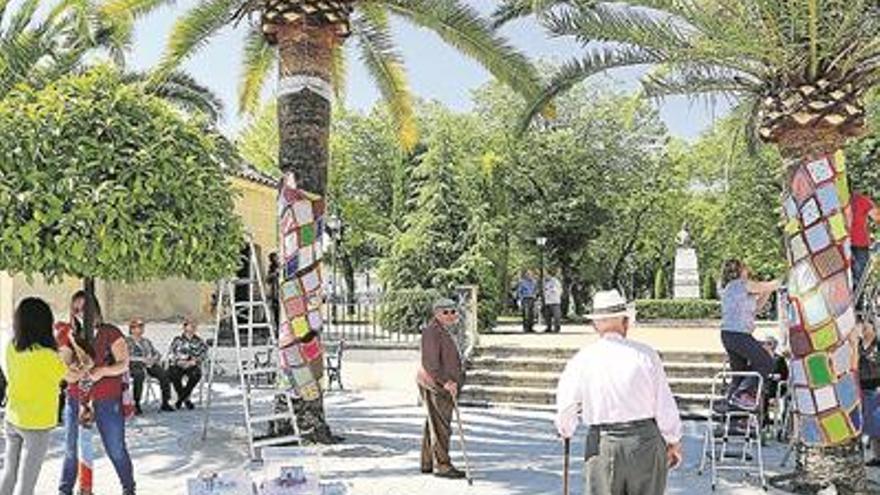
{"points": [[242, 308], [728, 426]]}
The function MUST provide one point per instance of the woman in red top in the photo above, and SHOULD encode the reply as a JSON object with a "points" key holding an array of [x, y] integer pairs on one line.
{"points": [[110, 360]]}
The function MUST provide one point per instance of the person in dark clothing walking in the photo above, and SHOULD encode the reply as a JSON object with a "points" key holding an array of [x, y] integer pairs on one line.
{"points": [[440, 379], [146, 360], [526, 290], [186, 355]]}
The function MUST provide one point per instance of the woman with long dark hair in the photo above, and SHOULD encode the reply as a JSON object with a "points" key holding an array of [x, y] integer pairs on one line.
{"points": [[741, 300], [34, 370]]}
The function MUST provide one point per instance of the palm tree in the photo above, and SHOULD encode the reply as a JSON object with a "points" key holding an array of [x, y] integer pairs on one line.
{"points": [[799, 69], [304, 39]]}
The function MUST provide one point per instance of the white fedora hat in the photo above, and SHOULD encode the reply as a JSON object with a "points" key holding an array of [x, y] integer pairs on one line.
{"points": [[610, 304]]}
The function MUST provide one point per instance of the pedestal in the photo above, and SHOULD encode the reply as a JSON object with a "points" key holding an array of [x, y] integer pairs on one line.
{"points": [[686, 281]]}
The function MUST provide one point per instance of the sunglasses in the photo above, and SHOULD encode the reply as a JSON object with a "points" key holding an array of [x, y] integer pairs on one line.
{"points": [[450, 312]]}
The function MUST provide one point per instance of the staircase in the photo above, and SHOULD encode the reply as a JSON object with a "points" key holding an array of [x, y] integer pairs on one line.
{"points": [[526, 377]]}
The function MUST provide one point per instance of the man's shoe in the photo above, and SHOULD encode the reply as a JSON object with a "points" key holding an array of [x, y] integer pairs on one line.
{"points": [[138, 411], [178, 405], [166, 407], [427, 470], [450, 473], [875, 462], [189, 405]]}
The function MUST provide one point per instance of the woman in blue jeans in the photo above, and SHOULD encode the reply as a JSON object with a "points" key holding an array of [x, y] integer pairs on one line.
{"points": [[104, 392], [741, 300]]}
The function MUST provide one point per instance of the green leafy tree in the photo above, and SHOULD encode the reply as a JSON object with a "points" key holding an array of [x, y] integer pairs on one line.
{"points": [[798, 71], [661, 285], [101, 180]]}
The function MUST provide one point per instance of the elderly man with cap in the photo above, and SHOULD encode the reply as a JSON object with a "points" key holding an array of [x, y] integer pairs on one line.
{"points": [[619, 389], [439, 378]]}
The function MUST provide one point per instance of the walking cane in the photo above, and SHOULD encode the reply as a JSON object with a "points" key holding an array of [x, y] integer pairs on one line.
{"points": [[565, 465], [467, 465]]}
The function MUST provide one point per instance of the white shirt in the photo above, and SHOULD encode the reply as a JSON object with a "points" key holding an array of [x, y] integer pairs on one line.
{"points": [[614, 381], [552, 291]]}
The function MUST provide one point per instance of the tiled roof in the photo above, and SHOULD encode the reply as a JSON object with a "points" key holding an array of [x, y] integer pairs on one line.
{"points": [[249, 172]]}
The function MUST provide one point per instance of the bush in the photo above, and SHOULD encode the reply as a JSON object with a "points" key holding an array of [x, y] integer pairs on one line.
{"points": [[406, 311], [678, 309], [660, 285]]}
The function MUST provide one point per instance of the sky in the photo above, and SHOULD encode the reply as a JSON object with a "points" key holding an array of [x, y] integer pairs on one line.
{"points": [[435, 71]]}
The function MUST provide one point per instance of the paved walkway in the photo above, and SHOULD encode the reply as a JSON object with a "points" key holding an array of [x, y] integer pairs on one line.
{"points": [[513, 453]]}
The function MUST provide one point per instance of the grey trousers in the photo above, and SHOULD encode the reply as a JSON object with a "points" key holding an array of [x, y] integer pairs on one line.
{"points": [[631, 461], [25, 451]]}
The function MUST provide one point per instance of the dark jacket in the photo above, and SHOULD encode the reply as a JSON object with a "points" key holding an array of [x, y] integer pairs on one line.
{"points": [[441, 362]]}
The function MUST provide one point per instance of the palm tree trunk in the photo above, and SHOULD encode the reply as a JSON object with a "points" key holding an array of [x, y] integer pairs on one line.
{"points": [[821, 313], [304, 93]]}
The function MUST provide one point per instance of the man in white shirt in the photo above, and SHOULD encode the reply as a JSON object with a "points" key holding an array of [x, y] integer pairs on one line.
{"points": [[553, 303], [619, 389]]}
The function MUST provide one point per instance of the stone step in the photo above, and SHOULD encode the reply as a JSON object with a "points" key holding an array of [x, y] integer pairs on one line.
{"points": [[690, 407], [489, 376], [566, 353], [530, 396], [556, 365], [548, 381]]}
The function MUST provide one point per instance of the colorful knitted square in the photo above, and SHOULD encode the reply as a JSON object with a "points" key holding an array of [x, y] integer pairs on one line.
{"points": [[789, 206], [798, 247], [827, 196], [836, 427], [799, 341], [818, 237], [820, 170], [805, 278], [847, 391], [798, 373], [829, 262], [837, 222], [801, 186], [815, 311], [810, 213], [825, 398], [846, 322], [837, 293], [810, 432], [804, 401], [841, 359], [818, 370], [825, 337]]}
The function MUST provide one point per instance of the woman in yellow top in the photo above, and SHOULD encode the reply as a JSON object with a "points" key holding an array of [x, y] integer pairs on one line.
{"points": [[33, 370]]}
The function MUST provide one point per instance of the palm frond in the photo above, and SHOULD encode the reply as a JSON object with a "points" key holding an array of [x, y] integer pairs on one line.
{"points": [[193, 31], [576, 71], [510, 10], [259, 58], [463, 28], [696, 80], [340, 72], [183, 91], [22, 18], [382, 60]]}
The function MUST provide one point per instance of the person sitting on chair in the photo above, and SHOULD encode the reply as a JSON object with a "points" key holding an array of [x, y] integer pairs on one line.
{"points": [[869, 378], [187, 353], [145, 360]]}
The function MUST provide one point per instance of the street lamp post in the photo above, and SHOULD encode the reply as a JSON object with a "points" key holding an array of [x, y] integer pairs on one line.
{"points": [[541, 242], [334, 229]]}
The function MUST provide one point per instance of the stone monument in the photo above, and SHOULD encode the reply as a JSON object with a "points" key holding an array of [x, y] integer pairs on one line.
{"points": [[686, 280]]}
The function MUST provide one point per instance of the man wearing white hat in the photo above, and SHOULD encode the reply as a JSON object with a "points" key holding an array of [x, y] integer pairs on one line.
{"points": [[619, 389]]}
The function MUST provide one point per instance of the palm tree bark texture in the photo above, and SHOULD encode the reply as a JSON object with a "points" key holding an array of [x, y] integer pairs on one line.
{"points": [[304, 94], [820, 311]]}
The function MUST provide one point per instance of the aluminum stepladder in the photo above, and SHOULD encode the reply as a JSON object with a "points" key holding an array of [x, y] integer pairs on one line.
{"points": [[733, 427], [256, 354]]}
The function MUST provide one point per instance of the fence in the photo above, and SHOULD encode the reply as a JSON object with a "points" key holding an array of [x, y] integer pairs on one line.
{"points": [[356, 319]]}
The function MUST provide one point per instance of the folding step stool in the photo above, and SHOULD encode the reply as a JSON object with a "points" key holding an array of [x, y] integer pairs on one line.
{"points": [[720, 433]]}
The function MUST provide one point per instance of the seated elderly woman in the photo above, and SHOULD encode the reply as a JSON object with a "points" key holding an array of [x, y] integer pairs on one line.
{"points": [[869, 377]]}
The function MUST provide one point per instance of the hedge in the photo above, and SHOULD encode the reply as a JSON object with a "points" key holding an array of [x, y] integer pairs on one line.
{"points": [[406, 311], [678, 309]]}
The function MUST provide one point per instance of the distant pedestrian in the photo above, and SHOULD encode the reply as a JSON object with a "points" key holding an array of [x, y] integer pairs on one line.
{"points": [[869, 379], [526, 290], [553, 302], [741, 300], [146, 360], [185, 358], [439, 378], [272, 288], [34, 367], [619, 389]]}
